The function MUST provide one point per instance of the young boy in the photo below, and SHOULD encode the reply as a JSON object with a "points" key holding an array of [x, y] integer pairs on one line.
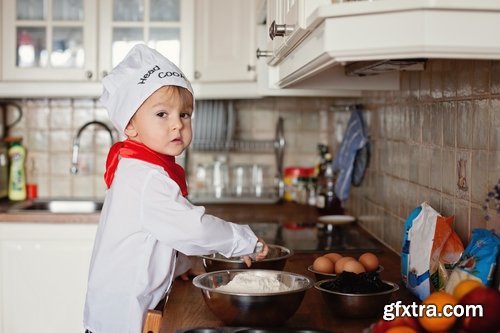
{"points": [[147, 227]]}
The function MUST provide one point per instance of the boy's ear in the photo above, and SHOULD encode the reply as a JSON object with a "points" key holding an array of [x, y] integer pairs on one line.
{"points": [[130, 130]]}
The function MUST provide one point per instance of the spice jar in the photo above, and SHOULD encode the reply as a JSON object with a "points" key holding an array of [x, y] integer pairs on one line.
{"points": [[295, 179]]}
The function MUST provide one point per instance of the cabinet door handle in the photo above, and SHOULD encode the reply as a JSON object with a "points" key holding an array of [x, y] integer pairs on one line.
{"points": [[197, 75], [250, 68], [89, 74], [104, 74], [263, 53], [277, 30]]}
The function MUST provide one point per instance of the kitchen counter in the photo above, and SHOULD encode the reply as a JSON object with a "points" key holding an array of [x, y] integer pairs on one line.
{"points": [[241, 213], [186, 307]]}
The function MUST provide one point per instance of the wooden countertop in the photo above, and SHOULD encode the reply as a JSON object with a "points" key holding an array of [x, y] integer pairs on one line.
{"points": [[186, 307], [241, 213]]}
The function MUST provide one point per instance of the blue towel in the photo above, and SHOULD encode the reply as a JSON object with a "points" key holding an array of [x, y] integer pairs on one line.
{"points": [[355, 138]]}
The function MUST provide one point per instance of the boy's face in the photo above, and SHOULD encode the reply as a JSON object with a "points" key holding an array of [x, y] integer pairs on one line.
{"points": [[163, 122]]}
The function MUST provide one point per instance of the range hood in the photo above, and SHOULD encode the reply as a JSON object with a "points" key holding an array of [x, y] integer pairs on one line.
{"points": [[363, 68], [368, 37]]}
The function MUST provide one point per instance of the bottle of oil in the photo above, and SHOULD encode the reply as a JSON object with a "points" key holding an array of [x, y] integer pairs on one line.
{"points": [[322, 151], [17, 174], [326, 200]]}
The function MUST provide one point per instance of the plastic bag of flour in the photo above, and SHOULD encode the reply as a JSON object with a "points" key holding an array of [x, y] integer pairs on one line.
{"points": [[430, 249], [478, 261]]}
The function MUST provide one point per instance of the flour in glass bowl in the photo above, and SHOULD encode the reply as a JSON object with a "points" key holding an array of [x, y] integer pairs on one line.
{"points": [[254, 283]]}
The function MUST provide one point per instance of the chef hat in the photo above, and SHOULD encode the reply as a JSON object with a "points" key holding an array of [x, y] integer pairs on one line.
{"points": [[134, 79]]}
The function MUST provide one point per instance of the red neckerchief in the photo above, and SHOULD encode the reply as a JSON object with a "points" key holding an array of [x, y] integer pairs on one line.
{"points": [[133, 149]]}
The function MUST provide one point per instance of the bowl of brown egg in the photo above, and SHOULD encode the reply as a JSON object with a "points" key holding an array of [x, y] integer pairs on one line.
{"points": [[329, 265]]}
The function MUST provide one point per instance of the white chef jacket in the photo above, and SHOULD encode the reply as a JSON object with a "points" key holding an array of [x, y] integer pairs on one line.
{"points": [[145, 220]]}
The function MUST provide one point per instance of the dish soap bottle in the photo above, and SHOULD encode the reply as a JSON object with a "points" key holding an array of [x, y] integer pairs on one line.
{"points": [[17, 175]]}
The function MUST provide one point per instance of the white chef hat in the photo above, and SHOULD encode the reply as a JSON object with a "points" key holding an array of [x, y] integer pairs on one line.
{"points": [[134, 79]]}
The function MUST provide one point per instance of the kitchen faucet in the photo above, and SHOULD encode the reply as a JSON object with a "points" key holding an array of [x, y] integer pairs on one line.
{"points": [[76, 143]]}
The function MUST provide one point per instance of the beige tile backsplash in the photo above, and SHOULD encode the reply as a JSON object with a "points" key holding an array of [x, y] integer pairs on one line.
{"points": [[447, 113]]}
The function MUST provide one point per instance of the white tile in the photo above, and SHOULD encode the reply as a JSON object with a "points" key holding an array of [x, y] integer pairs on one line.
{"points": [[60, 164], [60, 187], [83, 186], [60, 141], [60, 118]]}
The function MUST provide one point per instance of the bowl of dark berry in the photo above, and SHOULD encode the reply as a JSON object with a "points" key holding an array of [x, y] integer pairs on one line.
{"points": [[352, 295]]}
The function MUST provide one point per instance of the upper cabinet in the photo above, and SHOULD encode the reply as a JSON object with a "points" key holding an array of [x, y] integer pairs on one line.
{"points": [[225, 41], [224, 49], [342, 44], [57, 40], [295, 53], [49, 40], [65, 48], [165, 25], [287, 24]]}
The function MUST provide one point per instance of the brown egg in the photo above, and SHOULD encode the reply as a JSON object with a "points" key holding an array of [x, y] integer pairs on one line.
{"points": [[339, 265], [353, 266], [333, 257], [369, 261], [323, 265]]}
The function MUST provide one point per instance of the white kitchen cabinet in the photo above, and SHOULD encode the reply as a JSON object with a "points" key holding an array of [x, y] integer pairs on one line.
{"points": [[292, 47], [268, 76], [49, 40], [287, 24], [64, 48], [43, 276], [165, 25], [225, 41], [344, 44], [291, 13]]}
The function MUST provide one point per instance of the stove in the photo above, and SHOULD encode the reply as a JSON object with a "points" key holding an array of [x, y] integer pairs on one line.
{"points": [[315, 237]]}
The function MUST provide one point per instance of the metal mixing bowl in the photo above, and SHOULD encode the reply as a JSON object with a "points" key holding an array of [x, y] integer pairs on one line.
{"points": [[252, 309], [356, 305], [248, 330], [276, 260]]}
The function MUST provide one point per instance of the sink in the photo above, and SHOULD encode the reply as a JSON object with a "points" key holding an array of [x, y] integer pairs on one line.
{"points": [[69, 206]]}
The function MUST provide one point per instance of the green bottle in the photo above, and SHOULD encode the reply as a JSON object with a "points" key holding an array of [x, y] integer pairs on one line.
{"points": [[17, 175]]}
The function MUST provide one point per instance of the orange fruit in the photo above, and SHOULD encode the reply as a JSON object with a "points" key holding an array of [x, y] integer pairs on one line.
{"points": [[431, 320], [463, 287], [401, 329]]}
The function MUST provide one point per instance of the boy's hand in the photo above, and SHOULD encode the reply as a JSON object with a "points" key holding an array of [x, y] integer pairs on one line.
{"points": [[258, 256]]}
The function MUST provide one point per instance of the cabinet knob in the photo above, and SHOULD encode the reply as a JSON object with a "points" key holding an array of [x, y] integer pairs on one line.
{"points": [[250, 68], [89, 74], [263, 53], [104, 74], [197, 75], [277, 30]]}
